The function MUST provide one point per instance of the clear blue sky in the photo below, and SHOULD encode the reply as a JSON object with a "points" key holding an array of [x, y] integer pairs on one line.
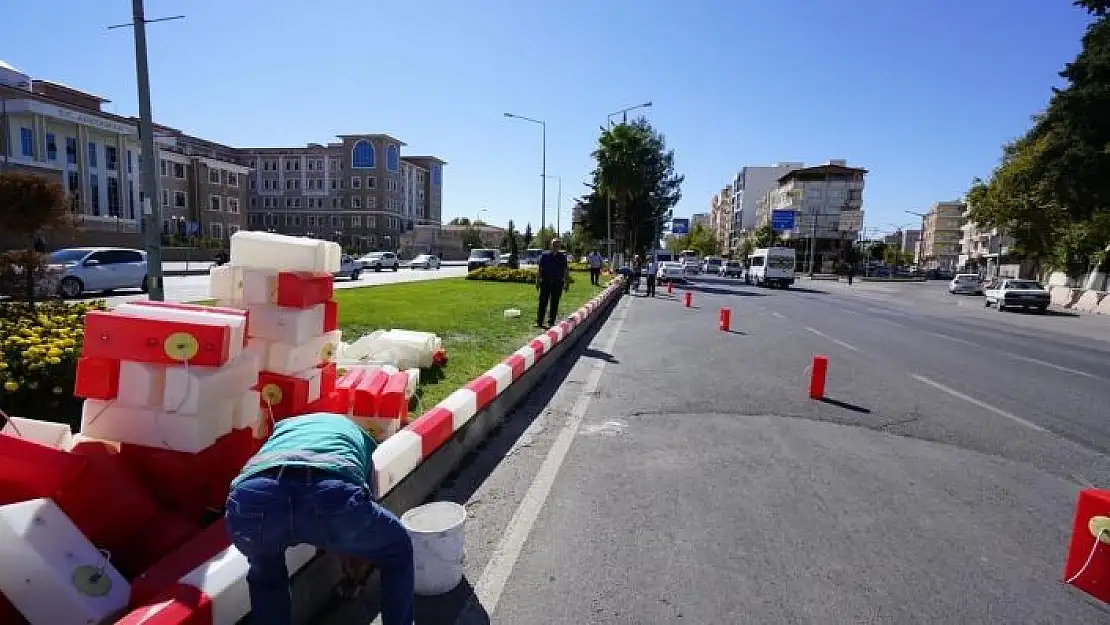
{"points": [[921, 93]]}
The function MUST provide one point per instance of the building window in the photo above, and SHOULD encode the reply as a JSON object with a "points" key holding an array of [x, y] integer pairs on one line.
{"points": [[334, 184], [111, 158], [94, 193], [356, 182], [371, 221], [213, 176], [336, 222], [74, 183], [213, 202], [333, 164], [252, 184], [292, 184], [71, 150], [233, 205], [232, 179], [371, 182], [371, 202], [131, 199], [437, 175], [392, 158], [27, 141], [254, 202], [113, 196], [130, 166], [165, 198], [51, 147], [232, 229], [356, 221], [179, 199], [289, 220], [179, 171], [356, 202], [216, 230], [92, 154], [312, 219], [362, 155]]}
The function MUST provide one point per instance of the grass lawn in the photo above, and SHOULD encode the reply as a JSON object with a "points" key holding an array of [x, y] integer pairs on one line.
{"points": [[467, 314]]}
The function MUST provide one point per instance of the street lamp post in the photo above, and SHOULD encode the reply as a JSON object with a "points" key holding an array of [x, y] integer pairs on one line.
{"points": [[608, 200], [543, 166]]}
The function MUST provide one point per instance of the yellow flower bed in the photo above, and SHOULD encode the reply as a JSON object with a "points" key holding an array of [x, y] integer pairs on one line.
{"points": [[39, 349]]}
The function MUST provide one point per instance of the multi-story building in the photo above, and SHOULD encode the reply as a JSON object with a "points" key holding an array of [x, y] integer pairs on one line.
{"points": [[357, 191], [699, 219], [720, 217], [940, 241], [827, 201], [982, 250], [749, 186], [910, 239]]}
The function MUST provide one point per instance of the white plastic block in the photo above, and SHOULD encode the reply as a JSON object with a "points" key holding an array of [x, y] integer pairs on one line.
{"points": [[197, 390], [503, 373], [463, 403], [394, 459], [529, 356], [545, 340], [237, 323], [288, 325], [56, 435], [413, 383], [260, 348], [141, 385], [259, 286], [111, 421], [378, 427], [43, 554], [248, 411], [293, 358], [267, 250], [225, 283], [315, 378]]}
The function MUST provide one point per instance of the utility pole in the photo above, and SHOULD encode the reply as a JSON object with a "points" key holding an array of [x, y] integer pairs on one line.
{"points": [[152, 209]]}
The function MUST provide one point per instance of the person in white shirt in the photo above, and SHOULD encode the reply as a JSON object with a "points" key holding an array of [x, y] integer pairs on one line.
{"points": [[653, 271], [594, 261]]}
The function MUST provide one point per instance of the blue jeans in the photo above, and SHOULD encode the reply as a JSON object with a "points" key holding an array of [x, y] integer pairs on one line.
{"points": [[281, 508]]}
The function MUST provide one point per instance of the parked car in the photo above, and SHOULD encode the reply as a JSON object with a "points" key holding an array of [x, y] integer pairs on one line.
{"points": [[349, 267], [967, 283], [81, 269], [483, 258], [531, 257], [1014, 293], [712, 265], [670, 272], [425, 261], [380, 260], [731, 269]]}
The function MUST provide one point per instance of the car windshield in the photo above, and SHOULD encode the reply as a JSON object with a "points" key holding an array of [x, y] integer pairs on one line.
{"points": [[1022, 284], [62, 257], [482, 254], [373, 255], [421, 258], [733, 263]]}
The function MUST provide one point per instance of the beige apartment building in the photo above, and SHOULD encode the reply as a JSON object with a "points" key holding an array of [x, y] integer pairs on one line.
{"points": [[982, 250], [358, 191], [940, 240], [721, 219]]}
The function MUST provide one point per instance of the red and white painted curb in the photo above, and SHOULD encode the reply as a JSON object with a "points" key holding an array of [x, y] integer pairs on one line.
{"points": [[211, 586]]}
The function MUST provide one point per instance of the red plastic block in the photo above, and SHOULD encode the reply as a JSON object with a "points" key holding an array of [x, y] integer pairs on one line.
{"points": [[199, 308], [177, 563], [537, 348], [29, 470], [366, 395], [434, 428], [303, 289], [392, 403], [328, 376], [180, 604], [159, 537], [517, 363], [1095, 580], [224, 459], [554, 336], [331, 315], [282, 395], [121, 337], [9, 615], [485, 388], [97, 378]]}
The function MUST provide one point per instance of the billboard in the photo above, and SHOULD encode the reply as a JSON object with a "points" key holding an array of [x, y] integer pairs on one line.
{"points": [[680, 226], [782, 219]]}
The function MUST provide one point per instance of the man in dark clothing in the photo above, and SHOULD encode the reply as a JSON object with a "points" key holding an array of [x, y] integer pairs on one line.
{"points": [[551, 281]]}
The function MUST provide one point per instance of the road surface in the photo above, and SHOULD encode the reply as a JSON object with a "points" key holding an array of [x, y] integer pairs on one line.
{"points": [[676, 473], [192, 288]]}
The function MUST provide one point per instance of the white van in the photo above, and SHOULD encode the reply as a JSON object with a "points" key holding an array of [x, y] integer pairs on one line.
{"points": [[772, 266]]}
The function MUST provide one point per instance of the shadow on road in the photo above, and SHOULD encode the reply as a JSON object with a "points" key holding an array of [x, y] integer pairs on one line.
{"points": [[845, 405], [458, 607], [713, 290], [590, 352]]}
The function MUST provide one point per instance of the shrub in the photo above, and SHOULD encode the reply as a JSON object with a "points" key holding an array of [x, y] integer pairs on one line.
{"points": [[504, 274], [38, 359], [579, 267]]}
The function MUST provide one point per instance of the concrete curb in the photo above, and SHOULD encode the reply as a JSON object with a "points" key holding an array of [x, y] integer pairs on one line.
{"points": [[210, 586]]}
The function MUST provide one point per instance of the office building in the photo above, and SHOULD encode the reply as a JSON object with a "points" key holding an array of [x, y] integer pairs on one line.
{"points": [[748, 187]]}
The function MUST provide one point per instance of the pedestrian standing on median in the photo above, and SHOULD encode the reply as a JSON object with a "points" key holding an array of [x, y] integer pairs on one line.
{"points": [[652, 275], [594, 261], [552, 279], [308, 485], [851, 273]]}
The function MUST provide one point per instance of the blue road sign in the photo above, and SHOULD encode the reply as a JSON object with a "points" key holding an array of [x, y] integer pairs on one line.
{"points": [[680, 226], [782, 220]]}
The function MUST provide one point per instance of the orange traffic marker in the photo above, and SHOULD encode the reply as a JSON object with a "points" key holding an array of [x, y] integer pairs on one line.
{"points": [[724, 319], [670, 288], [688, 299], [817, 377]]}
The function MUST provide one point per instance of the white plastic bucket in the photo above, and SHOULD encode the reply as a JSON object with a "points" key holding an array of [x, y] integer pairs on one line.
{"points": [[438, 548]]}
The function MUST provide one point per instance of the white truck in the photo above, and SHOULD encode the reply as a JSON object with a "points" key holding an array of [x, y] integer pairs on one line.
{"points": [[772, 266]]}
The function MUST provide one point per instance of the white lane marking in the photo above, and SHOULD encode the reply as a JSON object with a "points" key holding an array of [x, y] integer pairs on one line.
{"points": [[777, 315], [971, 400], [500, 566], [826, 336], [1035, 361]]}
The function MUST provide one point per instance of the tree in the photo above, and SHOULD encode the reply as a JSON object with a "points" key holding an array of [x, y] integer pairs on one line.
{"points": [[544, 236], [699, 239], [528, 236], [471, 237], [29, 206], [746, 249], [514, 249], [459, 221], [634, 177], [764, 236]]}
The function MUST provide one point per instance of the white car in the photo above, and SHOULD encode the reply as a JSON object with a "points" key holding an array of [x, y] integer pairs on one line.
{"points": [[349, 268], [425, 261], [80, 269], [731, 269], [1014, 293], [670, 272], [380, 260], [968, 283]]}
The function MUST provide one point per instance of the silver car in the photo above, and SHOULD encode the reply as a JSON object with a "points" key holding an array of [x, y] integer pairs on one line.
{"points": [[425, 261], [81, 269]]}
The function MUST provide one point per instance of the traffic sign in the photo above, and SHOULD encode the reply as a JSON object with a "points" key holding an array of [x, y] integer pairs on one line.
{"points": [[782, 219], [680, 226]]}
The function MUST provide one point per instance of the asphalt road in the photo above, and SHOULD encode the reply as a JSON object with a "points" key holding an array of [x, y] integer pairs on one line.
{"points": [[676, 473], [193, 288]]}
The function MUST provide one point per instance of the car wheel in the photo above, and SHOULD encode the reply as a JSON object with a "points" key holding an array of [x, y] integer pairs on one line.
{"points": [[70, 287], [1041, 310], [396, 266], [144, 286], [356, 274], [986, 303], [1000, 307], [377, 267]]}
